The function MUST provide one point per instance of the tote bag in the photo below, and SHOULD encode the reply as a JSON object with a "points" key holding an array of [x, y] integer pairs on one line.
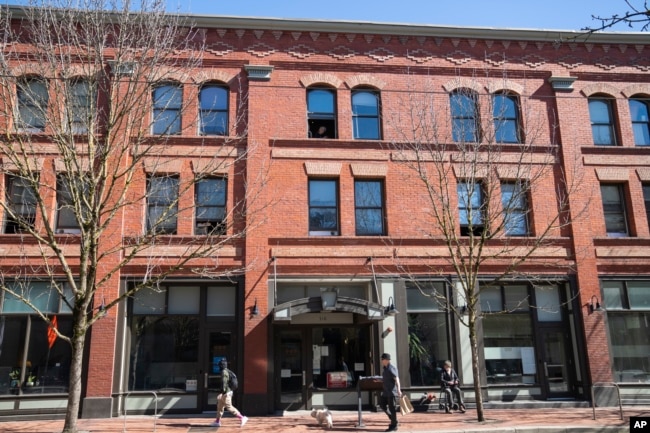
{"points": [[405, 406]]}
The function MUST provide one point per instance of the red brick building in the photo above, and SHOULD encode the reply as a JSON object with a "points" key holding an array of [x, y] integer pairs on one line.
{"points": [[344, 218]]}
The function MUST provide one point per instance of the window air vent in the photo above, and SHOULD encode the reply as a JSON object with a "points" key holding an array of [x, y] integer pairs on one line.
{"points": [[259, 72], [122, 68], [562, 83]]}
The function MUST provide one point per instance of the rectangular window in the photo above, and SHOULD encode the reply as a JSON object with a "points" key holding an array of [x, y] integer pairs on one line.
{"points": [[25, 336], [365, 114], [21, 204], [427, 332], [602, 121], [369, 207], [167, 104], [32, 96], [470, 208], [515, 208], [70, 193], [210, 202], [340, 356], [162, 204], [81, 101], [614, 210], [323, 207], [646, 200]]}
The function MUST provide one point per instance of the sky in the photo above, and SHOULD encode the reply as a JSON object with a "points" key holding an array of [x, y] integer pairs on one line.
{"points": [[529, 14]]}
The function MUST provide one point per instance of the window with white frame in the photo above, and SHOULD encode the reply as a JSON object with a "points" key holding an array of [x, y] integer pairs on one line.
{"points": [[162, 204], [167, 105], [21, 204], [32, 98], [210, 205], [614, 210]]}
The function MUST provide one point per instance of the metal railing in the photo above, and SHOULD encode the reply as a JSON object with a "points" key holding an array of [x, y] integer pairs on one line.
{"points": [[604, 385]]}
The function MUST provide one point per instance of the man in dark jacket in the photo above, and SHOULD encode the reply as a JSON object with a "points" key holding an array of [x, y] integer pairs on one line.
{"points": [[391, 390], [224, 399], [449, 381]]}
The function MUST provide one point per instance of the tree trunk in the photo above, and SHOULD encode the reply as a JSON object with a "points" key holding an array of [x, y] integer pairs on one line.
{"points": [[76, 368], [476, 371]]}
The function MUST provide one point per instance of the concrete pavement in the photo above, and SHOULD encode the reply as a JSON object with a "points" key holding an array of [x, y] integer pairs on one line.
{"points": [[546, 420]]}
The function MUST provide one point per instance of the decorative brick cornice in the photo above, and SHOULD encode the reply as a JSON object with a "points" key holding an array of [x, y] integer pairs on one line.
{"points": [[323, 168], [613, 174], [369, 170]]}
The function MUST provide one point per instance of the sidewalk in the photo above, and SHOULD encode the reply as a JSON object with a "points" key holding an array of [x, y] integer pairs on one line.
{"points": [[556, 420]]}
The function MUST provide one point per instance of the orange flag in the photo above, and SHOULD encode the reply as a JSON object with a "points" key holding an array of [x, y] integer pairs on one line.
{"points": [[51, 333]]}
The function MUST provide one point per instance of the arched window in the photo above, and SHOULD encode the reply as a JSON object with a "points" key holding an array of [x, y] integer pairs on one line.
{"points": [[464, 116], [167, 102], [213, 101], [32, 104], [365, 114], [602, 120], [321, 113], [640, 122], [505, 112]]}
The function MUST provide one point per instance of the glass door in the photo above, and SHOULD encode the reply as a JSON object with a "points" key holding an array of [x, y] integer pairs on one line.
{"points": [[556, 364], [220, 345], [290, 377]]}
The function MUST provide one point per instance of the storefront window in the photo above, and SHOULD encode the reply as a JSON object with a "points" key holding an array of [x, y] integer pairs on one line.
{"points": [[427, 332], [629, 330], [507, 334], [340, 356], [32, 359]]}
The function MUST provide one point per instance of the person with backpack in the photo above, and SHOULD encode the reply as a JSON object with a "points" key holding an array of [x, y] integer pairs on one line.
{"points": [[224, 399]]}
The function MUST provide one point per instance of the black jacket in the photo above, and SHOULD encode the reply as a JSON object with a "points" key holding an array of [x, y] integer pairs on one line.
{"points": [[448, 377]]}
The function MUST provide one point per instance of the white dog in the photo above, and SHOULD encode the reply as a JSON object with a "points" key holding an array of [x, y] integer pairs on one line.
{"points": [[323, 416]]}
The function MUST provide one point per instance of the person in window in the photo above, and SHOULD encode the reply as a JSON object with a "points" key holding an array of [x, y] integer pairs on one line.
{"points": [[391, 389], [322, 132], [224, 399], [449, 381]]}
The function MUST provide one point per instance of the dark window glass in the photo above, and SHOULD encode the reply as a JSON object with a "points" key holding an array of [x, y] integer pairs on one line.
{"points": [[81, 102], [369, 207], [515, 208], [321, 113], [323, 207], [32, 104], [365, 114], [70, 192], [21, 200], [167, 101], [464, 117], [646, 200], [602, 121], [640, 121], [162, 203], [210, 199], [214, 110], [470, 208], [342, 356], [614, 210], [506, 118]]}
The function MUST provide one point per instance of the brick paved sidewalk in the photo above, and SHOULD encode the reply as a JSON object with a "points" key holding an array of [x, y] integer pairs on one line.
{"points": [[498, 420]]}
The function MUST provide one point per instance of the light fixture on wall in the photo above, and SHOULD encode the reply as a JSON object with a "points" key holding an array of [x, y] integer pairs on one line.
{"points": [[391, 310], [328, 299], [594, 306], [254, 310]]}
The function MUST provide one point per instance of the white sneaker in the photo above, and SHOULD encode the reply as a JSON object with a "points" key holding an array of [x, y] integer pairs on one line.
{"points": [[244, 420], [215, 424]]}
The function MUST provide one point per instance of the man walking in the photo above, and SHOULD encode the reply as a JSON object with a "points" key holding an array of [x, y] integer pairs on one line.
{"points": [[224, 399], [391, 390]]}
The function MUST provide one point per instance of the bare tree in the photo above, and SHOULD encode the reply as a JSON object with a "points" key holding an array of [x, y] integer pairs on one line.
{"points": [[636, 16], [479, 180], [86, 160]]}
